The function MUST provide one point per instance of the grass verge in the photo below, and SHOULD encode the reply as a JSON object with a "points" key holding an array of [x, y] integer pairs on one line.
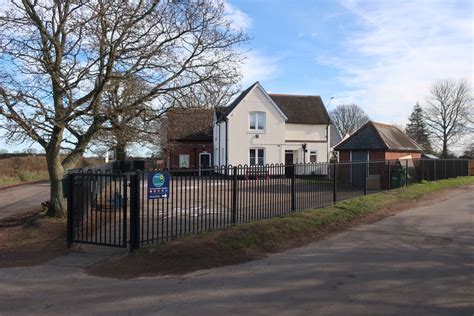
{"points": [[255, 240], [23, 177]]}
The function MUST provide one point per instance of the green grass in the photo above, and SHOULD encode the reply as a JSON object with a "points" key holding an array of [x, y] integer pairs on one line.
{"points": [[309, 221], [253, 240], [25, 176]]}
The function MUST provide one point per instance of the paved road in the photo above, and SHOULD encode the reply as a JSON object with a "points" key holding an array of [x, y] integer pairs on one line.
{"points": [[419, 262], [23, 198]]}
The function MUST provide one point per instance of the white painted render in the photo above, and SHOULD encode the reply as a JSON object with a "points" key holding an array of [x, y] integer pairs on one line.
{"points": [[277, 137]]}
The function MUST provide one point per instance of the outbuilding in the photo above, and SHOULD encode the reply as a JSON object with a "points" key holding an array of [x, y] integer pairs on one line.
{"points": [[376, 143]]}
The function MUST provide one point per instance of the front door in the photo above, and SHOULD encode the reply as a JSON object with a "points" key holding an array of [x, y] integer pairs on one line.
{"points": [[359, 159], [289, 164], [204, 161]]}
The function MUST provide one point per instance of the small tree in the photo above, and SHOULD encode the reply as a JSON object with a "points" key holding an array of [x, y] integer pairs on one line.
{"points": [[447, 111], [57, 57], [348, 118], [416, 128]]}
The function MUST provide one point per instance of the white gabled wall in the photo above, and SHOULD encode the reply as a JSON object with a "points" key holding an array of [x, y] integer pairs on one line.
{"points": [[241, 139]]}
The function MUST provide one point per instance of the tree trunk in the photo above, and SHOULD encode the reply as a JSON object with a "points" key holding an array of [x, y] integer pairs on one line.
{"points": [[57, 203], [121, 151], [445, 149]]}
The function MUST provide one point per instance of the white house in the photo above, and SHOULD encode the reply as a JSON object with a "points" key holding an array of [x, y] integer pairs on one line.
{"points": [[260, 128]]}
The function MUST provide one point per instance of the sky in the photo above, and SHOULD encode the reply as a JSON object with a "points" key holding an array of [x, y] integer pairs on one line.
{"points": [[382, 55]]}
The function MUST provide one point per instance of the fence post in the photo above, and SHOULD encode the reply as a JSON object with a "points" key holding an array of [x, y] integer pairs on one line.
{"points": [[365, 178], [434, 170], [234, 197], [389, 177], [134, 212], [70, 206], [293, 188], [334, 189], [422, 174], [406, 172]]}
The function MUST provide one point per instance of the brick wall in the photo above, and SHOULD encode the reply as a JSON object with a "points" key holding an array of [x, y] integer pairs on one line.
{"points": [[392, 155], [344, 156], [193, 149]]}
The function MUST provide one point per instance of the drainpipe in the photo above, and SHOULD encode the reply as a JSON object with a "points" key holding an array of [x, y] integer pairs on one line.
{"points": [[219, 147], [328, 141], [226, 142]]}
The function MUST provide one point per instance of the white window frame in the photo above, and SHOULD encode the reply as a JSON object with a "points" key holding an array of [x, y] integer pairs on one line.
{"points": [[257, 114], [313, 153], [187, 158], [256, 156]]}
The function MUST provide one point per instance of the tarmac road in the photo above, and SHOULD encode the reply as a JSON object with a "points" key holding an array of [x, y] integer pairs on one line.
{"points": [[418, 262], [24, 198]]}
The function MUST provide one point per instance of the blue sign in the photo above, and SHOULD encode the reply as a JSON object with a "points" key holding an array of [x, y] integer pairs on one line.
{"points": [[158, 185]]}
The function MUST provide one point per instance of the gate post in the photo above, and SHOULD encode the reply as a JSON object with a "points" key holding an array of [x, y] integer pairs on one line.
{"points": [[234, 196], [389, 176], [134, 212], [70, 206], [406, 172], [365, 178], [293, 188], [334, 189]]}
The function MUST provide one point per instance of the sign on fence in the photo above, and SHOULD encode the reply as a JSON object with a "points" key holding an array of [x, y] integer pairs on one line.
{"points": [[158, 185]]}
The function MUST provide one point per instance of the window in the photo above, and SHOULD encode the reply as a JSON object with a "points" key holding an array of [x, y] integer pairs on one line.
{"points": [[313, 156], [257, 156], [257, 121], [184, 161]]}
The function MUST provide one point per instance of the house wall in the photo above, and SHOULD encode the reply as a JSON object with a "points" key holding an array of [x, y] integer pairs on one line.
{"points": [[277, 138], [378, 155], [344, 155], [193, 149], [313, 135], [241, 139], [219, 136], [392, 155]]}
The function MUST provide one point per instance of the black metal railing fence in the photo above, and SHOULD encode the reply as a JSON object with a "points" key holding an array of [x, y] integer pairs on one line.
{"points": [[217, 197]]}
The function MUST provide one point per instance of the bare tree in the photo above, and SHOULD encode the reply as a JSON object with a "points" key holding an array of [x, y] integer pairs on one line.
{"points": [[57, 57], [447, 111], [348, 118]]}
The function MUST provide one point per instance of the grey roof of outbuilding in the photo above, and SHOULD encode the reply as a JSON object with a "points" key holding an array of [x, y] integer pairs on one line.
{"points": [[378, 136], [299, 109]]}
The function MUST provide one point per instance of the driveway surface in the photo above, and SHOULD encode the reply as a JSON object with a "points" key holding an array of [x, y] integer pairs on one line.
{"points": [[24, 198], [418, 262]]}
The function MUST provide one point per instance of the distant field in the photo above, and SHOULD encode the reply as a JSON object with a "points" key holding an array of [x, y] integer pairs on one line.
{"points": [[16, 170]]}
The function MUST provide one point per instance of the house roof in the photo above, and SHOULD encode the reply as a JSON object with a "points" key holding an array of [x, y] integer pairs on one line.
{"points": [[302, 109], [189, 124], [298, 109], [379, 136]]}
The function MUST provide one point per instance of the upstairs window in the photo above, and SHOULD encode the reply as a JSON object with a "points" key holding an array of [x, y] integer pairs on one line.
{"points": [[257, 121]]}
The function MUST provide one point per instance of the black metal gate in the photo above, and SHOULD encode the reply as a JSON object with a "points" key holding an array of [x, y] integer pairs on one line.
{"points": [[97, 209]]}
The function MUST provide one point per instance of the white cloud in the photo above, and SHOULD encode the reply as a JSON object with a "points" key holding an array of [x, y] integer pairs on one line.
{"points": [[258, 67], [401, 50], [239, 19]]}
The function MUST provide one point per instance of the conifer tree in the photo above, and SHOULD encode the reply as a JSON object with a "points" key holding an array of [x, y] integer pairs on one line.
{"points": [[416, 128]]}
